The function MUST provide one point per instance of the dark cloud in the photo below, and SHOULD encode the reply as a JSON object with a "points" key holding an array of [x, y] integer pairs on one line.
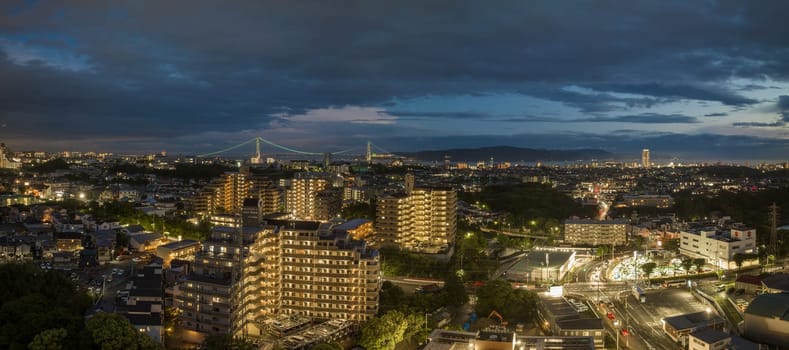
{"points": [[444, 115], [646, 118], [721, 114], [672, 91], [139, 72], [759, 124]]}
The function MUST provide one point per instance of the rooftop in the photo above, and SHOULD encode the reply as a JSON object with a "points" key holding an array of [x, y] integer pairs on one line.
{"points": [[692, 320], [779, 281], [596, 222], [774, 305], [709, 335]]}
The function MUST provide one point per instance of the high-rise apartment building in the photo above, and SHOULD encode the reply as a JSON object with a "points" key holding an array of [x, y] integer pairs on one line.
{"points": [[285, 267], [226, 194], [209, 298], [423, 219], [301, 197], [645, 162]]}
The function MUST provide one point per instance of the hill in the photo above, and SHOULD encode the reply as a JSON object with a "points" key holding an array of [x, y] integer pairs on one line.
{"points": [[507, 153]]}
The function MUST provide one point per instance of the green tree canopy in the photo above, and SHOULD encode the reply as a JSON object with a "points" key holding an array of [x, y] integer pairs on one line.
{"points": [[49, 339], [512, 304], [32, 301], [111, 331], [648, 268]]}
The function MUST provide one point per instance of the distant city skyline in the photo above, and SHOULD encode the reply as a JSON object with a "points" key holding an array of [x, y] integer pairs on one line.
{"points": [[699, 80]]}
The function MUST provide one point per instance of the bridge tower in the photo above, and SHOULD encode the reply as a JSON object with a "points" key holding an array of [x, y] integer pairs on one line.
{"points": [[258, 159], [369, 156]]}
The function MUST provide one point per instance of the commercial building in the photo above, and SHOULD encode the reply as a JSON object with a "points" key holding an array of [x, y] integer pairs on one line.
{"points": [[645, 162], [595, 232], [423, 219], [556, 316], [283, 268], [767, 320], [717, 246], [501, 339], [541, 267]]}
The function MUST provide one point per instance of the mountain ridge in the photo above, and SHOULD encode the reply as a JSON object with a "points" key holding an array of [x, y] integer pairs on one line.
{"points": [[508, 154]]}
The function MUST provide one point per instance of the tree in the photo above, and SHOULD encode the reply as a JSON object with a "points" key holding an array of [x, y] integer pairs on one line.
{"points": [[50, 339], [454, 291], [359, 210], [111, 331], [648, 268], [392, 297], [738, 260], [385, 332], [327, 346], [602, 251], [699, 263], [512, 304], [686, 264], [171, 319], [33, 301]]}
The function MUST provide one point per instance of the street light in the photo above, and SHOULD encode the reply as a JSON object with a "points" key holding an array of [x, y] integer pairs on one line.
{"points": [[616, 330]]}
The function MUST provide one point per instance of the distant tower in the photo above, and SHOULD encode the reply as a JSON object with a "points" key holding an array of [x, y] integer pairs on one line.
{"points": [[369, 152], [447, 161], [645, 158], [409, 183], [326, 160], [258, 159]]}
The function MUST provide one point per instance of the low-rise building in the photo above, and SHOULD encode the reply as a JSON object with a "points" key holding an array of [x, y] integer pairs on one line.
{"points": [[718, 247], [496, 338], [767, 319], [183, 250], [778, 283], [709, 339], [541, 267], [556, 316], [679, 327]]}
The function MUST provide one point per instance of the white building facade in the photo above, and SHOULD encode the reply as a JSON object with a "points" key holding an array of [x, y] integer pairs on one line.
{"points": [[718, 247]]}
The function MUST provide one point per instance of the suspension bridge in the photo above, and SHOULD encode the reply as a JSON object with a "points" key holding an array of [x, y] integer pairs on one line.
{"points": [[258, 140]]}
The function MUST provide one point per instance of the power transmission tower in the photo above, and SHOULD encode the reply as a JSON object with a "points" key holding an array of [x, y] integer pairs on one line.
{"points": [[773, 229]]}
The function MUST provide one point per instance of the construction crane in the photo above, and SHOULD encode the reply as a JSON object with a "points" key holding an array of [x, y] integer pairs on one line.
{"points": [[498, 316]]}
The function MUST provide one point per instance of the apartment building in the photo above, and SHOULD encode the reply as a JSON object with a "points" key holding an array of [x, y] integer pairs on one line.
{"points": [[423, 219], [226, 194], [284, 267], [595, 232], [718, 246], [209, 298], [301, 196]]}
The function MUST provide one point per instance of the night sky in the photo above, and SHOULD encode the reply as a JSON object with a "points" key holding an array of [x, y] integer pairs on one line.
{"points": [[687, 79]]}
